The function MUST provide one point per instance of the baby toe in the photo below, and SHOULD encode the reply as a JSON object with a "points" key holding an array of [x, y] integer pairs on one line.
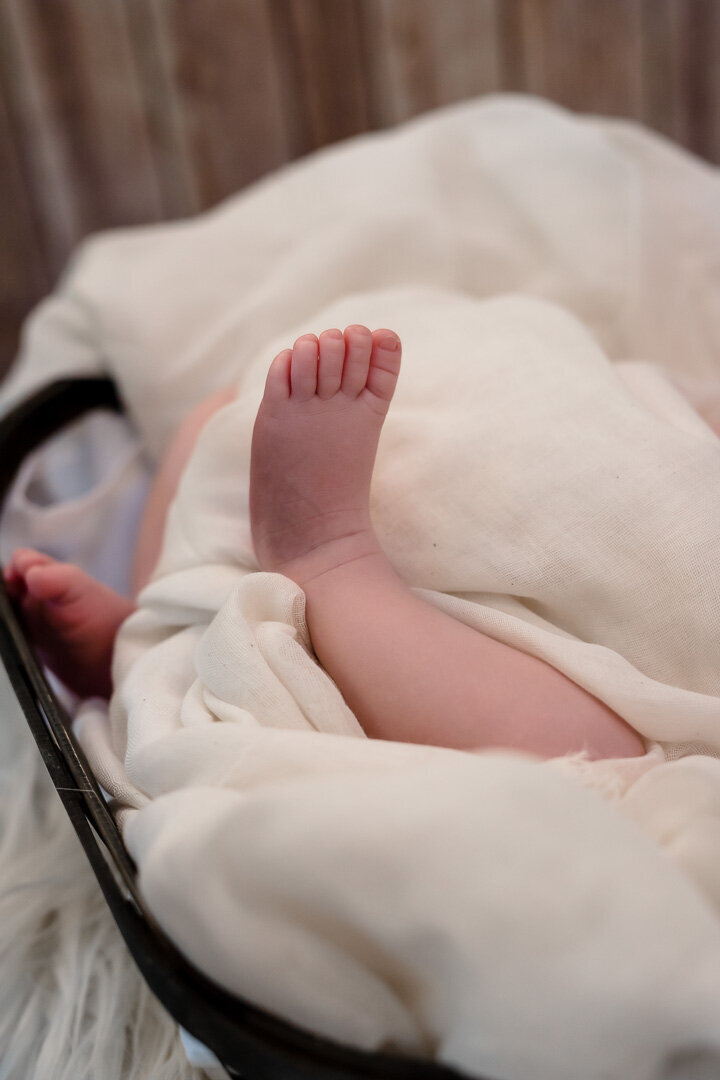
{"points": [[304, 366], [23, 559], [277, 384], [358, 346], [384, 365], [54, 582], [330, 366]]}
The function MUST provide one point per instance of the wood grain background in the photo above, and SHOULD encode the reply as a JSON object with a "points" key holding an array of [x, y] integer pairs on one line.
{"points": [[114, 112]]}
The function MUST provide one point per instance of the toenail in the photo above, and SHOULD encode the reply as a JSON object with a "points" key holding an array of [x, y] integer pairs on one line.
{"points": [[335, 334], [389, 341]]}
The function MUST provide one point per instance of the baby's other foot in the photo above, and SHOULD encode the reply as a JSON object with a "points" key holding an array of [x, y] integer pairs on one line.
{"points": [[313, 450], [71, 619]]}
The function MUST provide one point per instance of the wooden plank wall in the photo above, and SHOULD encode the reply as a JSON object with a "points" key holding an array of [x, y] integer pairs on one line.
{"points": [[115, 112]]}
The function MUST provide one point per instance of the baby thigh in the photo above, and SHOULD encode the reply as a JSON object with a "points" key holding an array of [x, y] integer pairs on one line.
{"points": [[165, 485]]}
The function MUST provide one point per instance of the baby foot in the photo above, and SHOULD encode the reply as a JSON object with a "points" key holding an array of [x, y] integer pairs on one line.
{"points": [[314, 447], [71, 619]]}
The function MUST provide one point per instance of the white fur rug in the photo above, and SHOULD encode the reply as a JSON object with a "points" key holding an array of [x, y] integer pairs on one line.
{"points": [[73, 1006]]}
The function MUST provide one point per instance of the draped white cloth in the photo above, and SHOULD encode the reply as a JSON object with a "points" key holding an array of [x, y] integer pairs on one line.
{"points": [[542, 480]]}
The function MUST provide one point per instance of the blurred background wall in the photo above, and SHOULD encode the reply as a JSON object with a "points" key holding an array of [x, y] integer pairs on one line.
{"points": [[115, 112]]}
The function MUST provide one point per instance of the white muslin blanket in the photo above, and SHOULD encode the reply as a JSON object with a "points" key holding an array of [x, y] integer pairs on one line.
{"points": [[542, 477]]}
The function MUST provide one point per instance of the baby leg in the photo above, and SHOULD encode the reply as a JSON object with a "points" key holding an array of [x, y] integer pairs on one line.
{"points": [[72, 619], [410, 672], [152, 526]]}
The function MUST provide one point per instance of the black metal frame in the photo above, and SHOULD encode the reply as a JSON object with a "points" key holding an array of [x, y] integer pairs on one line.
{"points": [[251, 1043]]}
